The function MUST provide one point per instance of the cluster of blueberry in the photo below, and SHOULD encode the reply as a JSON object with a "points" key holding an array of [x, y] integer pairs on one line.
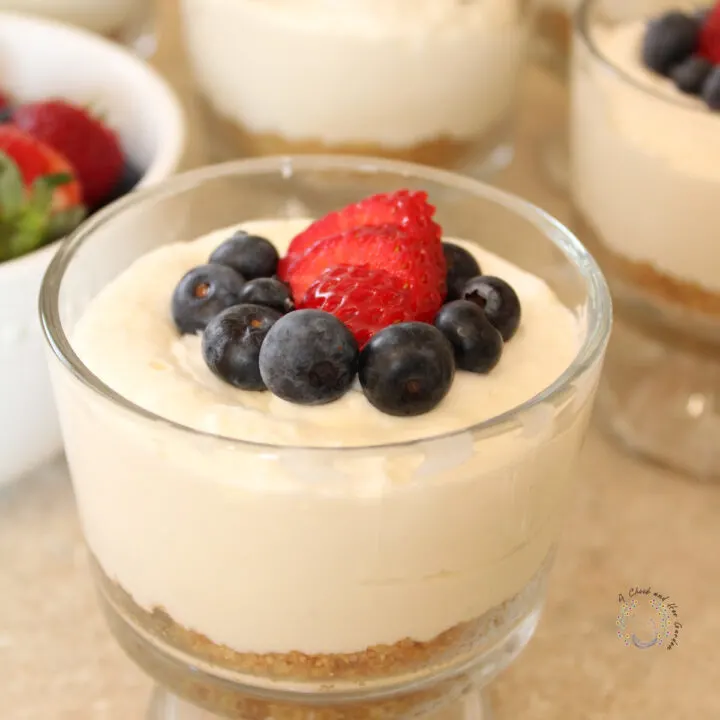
{"points": [[684, 47], [254, 339]]}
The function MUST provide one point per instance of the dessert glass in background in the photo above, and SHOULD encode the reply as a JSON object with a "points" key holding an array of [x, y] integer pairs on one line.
{"points": [[429, 81], [129, 22], [554, 32], [260, 580], [646, 183]]}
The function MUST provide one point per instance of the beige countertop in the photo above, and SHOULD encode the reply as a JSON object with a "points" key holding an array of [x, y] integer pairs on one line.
{"points": [[632, 525]]}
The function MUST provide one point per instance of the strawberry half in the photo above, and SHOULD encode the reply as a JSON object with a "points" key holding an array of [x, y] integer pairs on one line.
{"points": [[404, 208], [365, 299], [418, 263], [710, 36], [40, 197], [92, 148]]}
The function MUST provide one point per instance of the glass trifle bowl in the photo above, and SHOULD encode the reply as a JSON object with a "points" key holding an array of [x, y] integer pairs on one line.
{"points": [[646, 178], [263, 559]]}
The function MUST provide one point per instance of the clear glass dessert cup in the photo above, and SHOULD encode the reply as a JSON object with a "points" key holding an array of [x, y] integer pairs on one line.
{"points": [[427, 82], [646, 182], [263, 581]]}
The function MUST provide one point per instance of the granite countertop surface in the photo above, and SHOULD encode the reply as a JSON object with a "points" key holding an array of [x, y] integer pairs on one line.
{"points": [[632, 525]]}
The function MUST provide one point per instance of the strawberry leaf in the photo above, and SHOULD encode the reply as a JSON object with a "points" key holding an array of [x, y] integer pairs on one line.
{"points": [[12, 188]]}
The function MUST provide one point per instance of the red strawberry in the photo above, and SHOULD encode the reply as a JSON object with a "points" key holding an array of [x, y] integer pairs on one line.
{"points": [[40, 197], [404, 208], [365, 299], [420, 265], [710, 36], [92, 148]]}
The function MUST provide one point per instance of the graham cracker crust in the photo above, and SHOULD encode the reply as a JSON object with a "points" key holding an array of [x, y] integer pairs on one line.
{"points": [[669, 289], [378, 661], [233, 139], [423, 676]]}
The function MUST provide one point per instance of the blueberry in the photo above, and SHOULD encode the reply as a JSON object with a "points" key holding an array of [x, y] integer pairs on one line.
{"points": [[6, 115], [407, 369], [203, 293], [309, 357], [461, 266], [498, 300], [690, 76], [669, 40], [231, 344], [476, 343], [711, 89], [250, 255], [269, 292]]}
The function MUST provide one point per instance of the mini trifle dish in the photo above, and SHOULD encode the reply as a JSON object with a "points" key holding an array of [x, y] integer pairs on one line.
{"points": [[322, 459], [646, 177], [431, 81], [554, 32]]}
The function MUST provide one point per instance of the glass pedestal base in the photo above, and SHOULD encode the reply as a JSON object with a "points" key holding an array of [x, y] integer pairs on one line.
{"points": [[661, 399], [472, 705]]}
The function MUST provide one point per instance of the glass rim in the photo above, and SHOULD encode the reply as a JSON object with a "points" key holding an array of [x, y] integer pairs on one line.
{"points": [[581, 29], [599, 303]]}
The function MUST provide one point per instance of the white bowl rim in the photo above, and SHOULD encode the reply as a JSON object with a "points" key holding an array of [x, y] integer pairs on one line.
{"points": [[168, 155]]}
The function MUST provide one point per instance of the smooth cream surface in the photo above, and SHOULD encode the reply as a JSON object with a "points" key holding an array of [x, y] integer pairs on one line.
{"points": [[327, 551], [394, 73], [127, 338]]}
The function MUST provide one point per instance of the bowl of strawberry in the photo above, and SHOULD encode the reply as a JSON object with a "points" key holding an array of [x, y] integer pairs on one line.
{"points": [[82, 122]]}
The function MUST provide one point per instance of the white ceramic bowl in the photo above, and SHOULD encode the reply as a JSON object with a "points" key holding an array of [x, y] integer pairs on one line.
{"points": [[40, 59]]}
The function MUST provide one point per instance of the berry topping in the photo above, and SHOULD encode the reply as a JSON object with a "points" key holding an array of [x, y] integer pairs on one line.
{"points": [[268, 292], [203, 293], [40, 198], [250, 255], [231, 344], [461, 266], [309, 357], [669, 40], [499, 302], [407, 369], [477, 344], [405, 208], [690, 75], [365, 299], [709, 44], [419, 265], [711, 89], [91, 147]]}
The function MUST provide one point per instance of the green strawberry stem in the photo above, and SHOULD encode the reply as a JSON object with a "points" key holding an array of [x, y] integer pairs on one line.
{"points": [[27, 220]]}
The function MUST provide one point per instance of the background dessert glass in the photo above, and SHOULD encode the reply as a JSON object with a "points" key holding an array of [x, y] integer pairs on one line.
{"points": [[127, 21], [373, 581], [554, 21], [430, 81], [646, 183]]}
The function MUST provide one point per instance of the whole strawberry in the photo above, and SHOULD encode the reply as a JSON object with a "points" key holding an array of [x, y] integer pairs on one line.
{"points": [[91, 147], [40, 197], [364, 298]]}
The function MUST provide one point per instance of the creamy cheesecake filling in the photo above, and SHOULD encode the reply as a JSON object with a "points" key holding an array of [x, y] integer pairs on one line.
{"points": [[280, 549], [647, 168], [385, 73]]}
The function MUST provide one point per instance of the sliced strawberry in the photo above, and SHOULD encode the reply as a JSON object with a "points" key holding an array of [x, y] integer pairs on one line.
{"points": [[710, 36], [365, 299], [40, 197], [92, 147], [405, 208], [420, 265]]}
